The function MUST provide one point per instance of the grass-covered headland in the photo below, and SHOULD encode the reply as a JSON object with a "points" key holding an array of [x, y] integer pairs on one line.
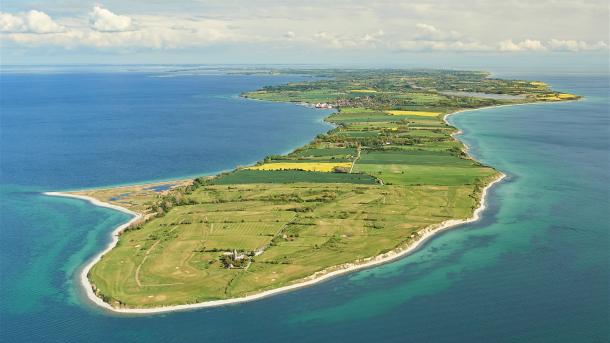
{"points": [[389, 169]]}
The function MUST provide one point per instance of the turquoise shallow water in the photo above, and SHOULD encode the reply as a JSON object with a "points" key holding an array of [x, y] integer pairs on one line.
{"points": [[535, 269]]}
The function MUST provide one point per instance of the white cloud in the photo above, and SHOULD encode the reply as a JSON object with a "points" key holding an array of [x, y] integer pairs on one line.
{"points": [[330, 40], [431, 32], [428, 37], [346, 41], [373, 37], [551, 45], [574, 45], [156, 33], [40, 22], [30, 22], [434, 45], [350, 25], [525, 45], [101, 19], [290, 35], [11, 23], [427, 30]]}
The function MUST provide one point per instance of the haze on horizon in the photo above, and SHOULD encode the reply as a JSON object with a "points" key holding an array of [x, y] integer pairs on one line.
{"points": [[569, 33]]}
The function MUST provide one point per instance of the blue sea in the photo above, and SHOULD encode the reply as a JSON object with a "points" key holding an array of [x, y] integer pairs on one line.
{"points": [[536, 268]]}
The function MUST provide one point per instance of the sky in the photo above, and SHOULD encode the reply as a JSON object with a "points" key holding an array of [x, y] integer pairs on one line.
{"points": [[338, 32]]}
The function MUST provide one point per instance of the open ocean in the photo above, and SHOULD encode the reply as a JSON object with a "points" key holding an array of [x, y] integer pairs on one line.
{"points": [[536, 268]]}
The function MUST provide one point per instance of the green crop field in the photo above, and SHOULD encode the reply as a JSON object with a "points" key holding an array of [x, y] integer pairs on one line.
{"points": [[387, 178], [289, 176], [319, 152]]}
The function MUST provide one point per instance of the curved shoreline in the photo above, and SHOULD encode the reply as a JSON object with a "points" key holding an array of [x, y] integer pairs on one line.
{"points": [[320, 276], [84, 280], [424, 235]]}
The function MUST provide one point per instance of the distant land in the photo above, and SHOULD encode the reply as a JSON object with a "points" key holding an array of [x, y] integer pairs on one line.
{"points": [[388, 176]]}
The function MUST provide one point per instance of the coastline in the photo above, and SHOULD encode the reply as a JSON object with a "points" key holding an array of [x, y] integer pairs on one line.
{"points": [[320, 276], [84, 280]]}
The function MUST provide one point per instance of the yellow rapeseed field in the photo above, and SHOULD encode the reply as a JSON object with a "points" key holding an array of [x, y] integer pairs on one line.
{"points": [[566, 96], [557, 97], [538, 83], [414, 113], [363, 91], [319, 167]]}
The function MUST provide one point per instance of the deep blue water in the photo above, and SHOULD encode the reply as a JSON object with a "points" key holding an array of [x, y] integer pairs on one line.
{"points": [[82, 130], [535, 269]]}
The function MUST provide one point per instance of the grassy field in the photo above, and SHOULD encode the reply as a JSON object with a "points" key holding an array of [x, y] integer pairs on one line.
{"points": [[301, 229], [388, 169]]}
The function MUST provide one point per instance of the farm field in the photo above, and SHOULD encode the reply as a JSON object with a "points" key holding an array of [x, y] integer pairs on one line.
{"points": [[289, 176], [389, 169], [414, 113], [306, 166]]}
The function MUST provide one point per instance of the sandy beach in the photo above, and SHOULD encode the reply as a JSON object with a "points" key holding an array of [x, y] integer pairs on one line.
{"points": [[84, 280]]}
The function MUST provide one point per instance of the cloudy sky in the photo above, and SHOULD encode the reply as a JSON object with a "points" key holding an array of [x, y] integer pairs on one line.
{"points": [[289, 31]]}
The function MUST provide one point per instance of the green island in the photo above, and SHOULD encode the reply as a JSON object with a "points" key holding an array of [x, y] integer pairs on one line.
{"points": [[389, 169]]}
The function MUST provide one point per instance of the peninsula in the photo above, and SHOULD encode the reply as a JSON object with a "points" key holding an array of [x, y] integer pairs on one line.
{"points": [[387, 176]]}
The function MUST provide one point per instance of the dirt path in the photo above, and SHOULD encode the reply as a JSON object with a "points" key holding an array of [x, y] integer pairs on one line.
{"points": [[355, 159], [144, 260], [137, 274]]}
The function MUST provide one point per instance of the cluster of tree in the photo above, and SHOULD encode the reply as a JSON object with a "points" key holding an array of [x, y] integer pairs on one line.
{"points": [[176, 197], [457, 151], [236, 259], [282, 198], [333, 242], [343, 170], [163, 235]]}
